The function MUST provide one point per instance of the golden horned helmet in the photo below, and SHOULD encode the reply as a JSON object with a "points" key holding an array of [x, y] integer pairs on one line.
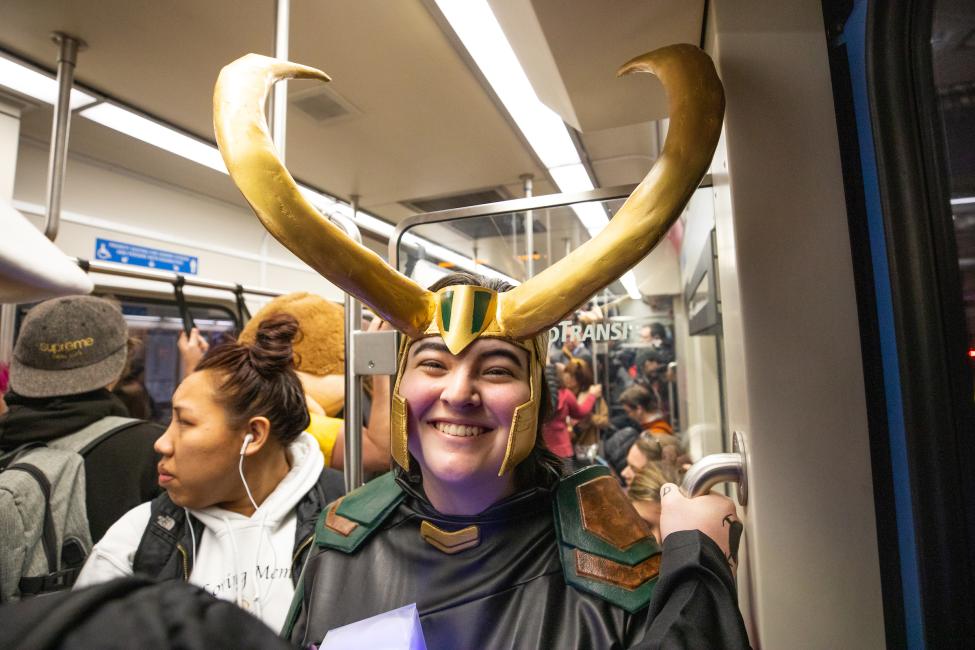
{"points": [[460, 314]]}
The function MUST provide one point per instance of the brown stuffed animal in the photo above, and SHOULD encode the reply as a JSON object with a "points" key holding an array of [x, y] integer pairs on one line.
{"points": [[320, 362]]}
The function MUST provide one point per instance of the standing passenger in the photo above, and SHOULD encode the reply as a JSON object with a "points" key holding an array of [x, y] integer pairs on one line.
{"points": [[236, 466], [556, 429], [475, 525], [68, 352]]}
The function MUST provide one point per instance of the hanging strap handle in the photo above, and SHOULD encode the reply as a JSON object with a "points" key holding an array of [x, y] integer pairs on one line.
{"points": [[243, 314], [184, 310]]}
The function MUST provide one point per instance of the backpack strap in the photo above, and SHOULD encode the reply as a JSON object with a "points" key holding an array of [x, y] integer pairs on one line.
{"points": [[606, 548], [163, 550], [49, 535], [348, 522], [81, 442], [10, 457]]}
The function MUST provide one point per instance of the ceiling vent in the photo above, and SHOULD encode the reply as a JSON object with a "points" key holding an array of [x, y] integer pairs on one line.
{"points": [[323, 104], [477, 197]]}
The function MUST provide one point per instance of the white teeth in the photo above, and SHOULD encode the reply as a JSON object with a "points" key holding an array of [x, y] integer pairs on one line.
{"points": [[459, 430]]}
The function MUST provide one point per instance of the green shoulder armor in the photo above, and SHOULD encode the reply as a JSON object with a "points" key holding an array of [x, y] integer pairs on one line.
{"points": [[605, 547], [349, 521]]}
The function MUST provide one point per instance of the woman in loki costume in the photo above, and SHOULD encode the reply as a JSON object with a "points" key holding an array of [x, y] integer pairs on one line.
{"points": [[475, 524]]}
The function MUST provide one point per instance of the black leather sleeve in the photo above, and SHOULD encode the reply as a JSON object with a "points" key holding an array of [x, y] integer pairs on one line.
{"points": [[695, 603]]}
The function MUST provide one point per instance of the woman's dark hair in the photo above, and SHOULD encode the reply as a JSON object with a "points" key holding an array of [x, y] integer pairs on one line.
{"points": [[259, 379], [541, 468]]}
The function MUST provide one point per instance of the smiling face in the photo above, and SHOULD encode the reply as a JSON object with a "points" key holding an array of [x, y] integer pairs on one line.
{"points": [[199, 451], [460, 411]]}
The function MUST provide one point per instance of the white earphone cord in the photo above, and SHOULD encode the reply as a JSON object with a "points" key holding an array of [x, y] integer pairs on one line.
{"points": [[240, 468]]}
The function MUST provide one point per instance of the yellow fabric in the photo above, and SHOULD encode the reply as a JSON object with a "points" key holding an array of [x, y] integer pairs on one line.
{"points": [[326, 431]]}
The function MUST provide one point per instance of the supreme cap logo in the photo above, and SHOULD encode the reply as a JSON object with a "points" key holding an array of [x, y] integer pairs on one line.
{"points": [[67, 349]]}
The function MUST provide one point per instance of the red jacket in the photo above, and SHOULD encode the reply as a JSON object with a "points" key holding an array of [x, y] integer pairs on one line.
{"points": [[556, 431]]}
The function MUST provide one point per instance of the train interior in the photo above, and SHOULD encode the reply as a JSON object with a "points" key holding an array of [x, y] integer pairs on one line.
{"points": [[817, 294]]}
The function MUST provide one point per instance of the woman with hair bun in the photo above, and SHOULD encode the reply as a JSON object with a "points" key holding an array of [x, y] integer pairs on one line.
{"points": [[243, 483]]}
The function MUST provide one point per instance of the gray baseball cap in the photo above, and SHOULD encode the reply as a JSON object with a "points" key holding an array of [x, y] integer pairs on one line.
{"points": [[68, 346]]}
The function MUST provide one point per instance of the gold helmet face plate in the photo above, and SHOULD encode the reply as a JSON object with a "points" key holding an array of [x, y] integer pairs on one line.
{"points": [[465, 313]]}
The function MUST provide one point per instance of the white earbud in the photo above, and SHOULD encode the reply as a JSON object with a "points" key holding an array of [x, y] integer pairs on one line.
{"points": [[248, 439]]}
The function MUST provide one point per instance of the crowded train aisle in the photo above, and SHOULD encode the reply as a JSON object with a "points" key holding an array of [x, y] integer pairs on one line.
{"points": [[434, 324]]}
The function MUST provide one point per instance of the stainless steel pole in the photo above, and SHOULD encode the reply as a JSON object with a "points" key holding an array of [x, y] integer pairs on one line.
{"points": [[527, 181], [279, 100], [8, 313], [353, 381], [67, 58], [548, 239]]}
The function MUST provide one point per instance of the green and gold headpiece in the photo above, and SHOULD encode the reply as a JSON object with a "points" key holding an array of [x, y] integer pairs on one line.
{"points": [[461, 314]]}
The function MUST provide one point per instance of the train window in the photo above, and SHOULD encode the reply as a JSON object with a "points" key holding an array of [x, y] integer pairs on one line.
{"points": [[633, 333], [953, 49], [156, 326]]}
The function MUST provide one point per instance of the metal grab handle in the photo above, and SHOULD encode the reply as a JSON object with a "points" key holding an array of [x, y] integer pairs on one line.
{"points": [[184, 310], [243, 313], [719, 468]]}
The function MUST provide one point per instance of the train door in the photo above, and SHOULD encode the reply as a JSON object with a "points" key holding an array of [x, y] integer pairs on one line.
{"points": [[843, 316], [903, 78]]}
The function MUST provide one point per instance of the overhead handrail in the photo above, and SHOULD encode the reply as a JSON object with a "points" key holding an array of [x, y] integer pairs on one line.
{"points": [[108, 268], [499, 208]]}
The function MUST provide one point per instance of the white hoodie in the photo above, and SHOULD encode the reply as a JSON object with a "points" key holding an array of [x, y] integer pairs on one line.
{"points": [[246, 560]]}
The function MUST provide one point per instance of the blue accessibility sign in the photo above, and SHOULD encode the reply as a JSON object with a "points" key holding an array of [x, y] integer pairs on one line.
{"points": [[121, 252]]}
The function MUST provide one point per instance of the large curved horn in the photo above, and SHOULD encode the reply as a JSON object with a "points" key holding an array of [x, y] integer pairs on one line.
{"points": [[696, 107], [242, 135]]}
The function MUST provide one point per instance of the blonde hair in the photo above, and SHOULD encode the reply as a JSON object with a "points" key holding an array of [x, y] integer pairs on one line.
{"points": [[648, 481], [649, 447]]}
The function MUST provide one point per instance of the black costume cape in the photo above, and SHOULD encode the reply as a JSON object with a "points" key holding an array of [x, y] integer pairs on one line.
{"points": [[511, 590]]}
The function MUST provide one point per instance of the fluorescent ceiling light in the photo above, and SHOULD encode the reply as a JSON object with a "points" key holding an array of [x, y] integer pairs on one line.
{"points": [[426, 273], [27, 81], [571, 178], [592, 216], [156, 134], [475, 25], [629, 283], [479, 31], [368, 221], [964, 200], [30, 82]]}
